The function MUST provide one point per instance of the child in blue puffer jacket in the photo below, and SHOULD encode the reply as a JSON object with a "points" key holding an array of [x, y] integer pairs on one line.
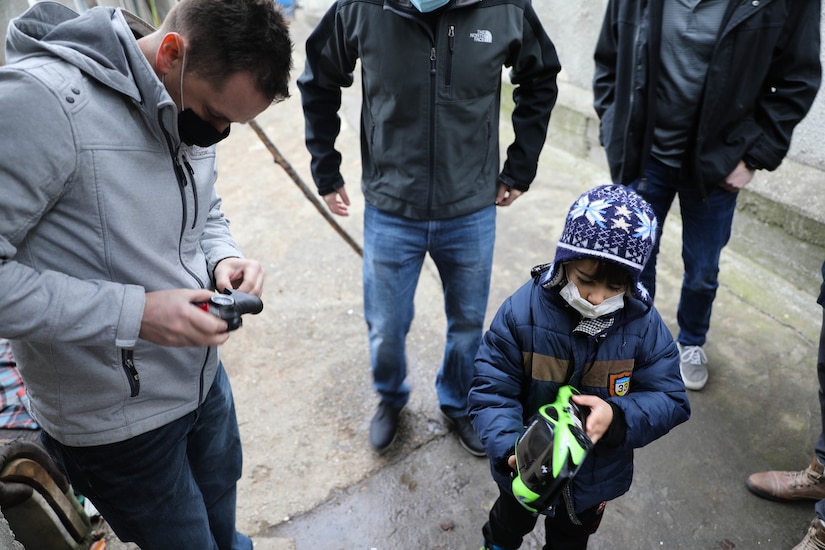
{"points": [[584, 320]]}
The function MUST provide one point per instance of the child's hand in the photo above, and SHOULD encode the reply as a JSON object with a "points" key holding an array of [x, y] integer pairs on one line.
{"points": [[511, 462], [600, 417]]}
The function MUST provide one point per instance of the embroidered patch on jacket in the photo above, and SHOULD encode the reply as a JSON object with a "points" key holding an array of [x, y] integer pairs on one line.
{"points": [[482, 35], [619, 384]]}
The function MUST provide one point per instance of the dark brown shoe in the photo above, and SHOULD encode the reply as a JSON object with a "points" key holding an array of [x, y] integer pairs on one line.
{"points": [[815, 539], [807, 484]]}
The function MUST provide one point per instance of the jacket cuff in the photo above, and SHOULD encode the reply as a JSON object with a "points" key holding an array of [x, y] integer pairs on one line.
{"points": [[330, 186], [615, 434], [502, 467], [509, 182], [131, 316], [752, 163]]}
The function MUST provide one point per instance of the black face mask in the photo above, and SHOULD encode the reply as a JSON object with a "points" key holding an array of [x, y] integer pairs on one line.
{"points": [[194, 130]]}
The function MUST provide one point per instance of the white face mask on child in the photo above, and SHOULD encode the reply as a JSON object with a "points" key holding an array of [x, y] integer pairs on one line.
{"points": [[571, 295]]}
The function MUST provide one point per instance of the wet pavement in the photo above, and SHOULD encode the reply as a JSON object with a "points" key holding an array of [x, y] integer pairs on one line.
{"points": [[300, 373]]}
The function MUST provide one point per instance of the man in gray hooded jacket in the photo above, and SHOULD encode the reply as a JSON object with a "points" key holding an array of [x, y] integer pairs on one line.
{"points": [[110, 230]]}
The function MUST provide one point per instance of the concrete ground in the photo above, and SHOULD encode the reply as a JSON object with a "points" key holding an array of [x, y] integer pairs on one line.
{"points": [[300, 372]]}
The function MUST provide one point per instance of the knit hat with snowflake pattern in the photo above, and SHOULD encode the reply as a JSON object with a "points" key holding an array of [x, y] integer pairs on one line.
{"points": [[611, 223]]}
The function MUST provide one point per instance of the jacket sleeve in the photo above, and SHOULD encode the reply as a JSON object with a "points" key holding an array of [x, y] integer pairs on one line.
{"points": [[605, 57], [329, 67], [44, 305], [533, 74], [657, 401], [791, 85], [494, 399], [217, 241]]}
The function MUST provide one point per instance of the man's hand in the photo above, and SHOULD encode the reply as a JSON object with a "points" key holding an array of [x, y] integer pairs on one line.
{"points": [[506, 195], [338, 201], [240, 274], [171, 319], [599, 418], [739, 178]]}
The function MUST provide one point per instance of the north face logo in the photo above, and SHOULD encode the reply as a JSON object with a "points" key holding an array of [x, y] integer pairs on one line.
{"points": [[482, 35]]}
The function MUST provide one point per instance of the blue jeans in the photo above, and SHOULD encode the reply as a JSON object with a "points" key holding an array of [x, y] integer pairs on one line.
{"points": [[173, 487], [706, 228], [394, 252]]}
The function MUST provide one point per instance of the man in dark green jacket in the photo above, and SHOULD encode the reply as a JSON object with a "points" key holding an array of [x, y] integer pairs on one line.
{"points": [[431, 176], [693, 98]]}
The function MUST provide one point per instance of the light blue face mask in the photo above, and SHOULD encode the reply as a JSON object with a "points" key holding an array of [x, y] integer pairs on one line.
{"points": [[425, 6]]}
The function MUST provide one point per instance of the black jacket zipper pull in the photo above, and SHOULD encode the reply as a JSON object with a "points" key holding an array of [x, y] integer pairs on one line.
{"points": [[128, 360], [451, 43], [194, 189]]}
